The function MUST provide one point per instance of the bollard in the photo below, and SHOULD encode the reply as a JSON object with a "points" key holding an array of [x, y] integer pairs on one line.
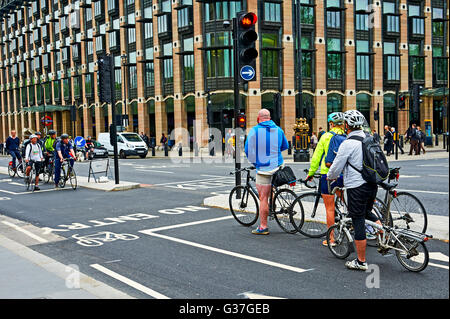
{"points": [[180, 150], [195, 149], [290, 148], [437, 140], [153, 151], [444, 140], [166, 150], [401, 141]]}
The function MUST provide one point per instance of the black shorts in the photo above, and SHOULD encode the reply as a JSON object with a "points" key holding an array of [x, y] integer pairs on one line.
{"points": [[37, 165], [360, 201]]}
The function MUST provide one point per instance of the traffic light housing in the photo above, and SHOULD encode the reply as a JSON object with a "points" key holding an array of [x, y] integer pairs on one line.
{"points": [[246, 41], [209, 114], [277, 108], [417, 94], [104, 79], [402, 102], [242, 121]]}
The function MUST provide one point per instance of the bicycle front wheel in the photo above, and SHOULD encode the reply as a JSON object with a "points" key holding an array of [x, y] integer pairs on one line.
{"points": [[62, 180], [407, 211], [244, 205], [315, 215], [416, 258], [73, 179], [11, 171], [20, 170], [284, 210], [338, 242]]}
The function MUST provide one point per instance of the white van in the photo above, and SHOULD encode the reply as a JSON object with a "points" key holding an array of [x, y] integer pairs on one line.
{"points": [[128, 143]]}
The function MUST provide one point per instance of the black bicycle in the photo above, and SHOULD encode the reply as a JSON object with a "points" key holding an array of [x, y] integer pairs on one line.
{"points": [[30, 180], [402, 209], [244, 204], [68, 173]]}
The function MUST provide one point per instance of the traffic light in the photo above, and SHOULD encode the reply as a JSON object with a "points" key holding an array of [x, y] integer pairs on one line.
{"points": [[242, 121], [402, 102], [246, 48], [104, 79], [417, 94]]}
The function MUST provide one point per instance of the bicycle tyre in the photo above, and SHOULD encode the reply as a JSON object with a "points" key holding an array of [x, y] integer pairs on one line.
{"points": [[238, 208], [20, 170], [422, 259], [282, 208], [314, 215], [409, 203], [341, 248], [379, 209], [27, 181], [11, 172], [62, 180], [73, 179]]}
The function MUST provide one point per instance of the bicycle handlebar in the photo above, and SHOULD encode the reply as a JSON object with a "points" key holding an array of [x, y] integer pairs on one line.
{"points": [[305, 182], [246, 169]]}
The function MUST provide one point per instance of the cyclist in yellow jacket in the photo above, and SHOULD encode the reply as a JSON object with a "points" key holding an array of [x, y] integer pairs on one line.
{"points": [[336, 122]]}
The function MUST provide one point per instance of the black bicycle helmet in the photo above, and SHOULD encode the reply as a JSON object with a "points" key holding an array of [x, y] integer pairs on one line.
{"points": [[51, 132], [38, 133], [64, 136]]}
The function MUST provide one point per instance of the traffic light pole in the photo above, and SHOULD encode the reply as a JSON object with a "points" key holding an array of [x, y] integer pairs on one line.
{"points": [[397, 131], [237, 103], [113, 114]]}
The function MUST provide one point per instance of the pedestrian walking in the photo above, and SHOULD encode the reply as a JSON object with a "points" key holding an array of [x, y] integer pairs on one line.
{"points": [[388, 141], [263, 148], [421, 141], [163, 140], [376, 136], [321, 132], [412, 136], [396, 140], [314, 141]]}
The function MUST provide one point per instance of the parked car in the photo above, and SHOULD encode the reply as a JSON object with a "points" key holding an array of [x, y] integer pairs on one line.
{"points": [[128, 144]]}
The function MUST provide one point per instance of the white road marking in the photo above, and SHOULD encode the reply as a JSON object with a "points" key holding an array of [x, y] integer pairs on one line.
{"points": [[5, 198], [16, 184], [252, 295], [192, 181], [146, 231], [438, 175], [439, 256], [129, 282], [419, 191], [154, 171], [437, 265], [26, 232], [432, 165], [227, 252]]}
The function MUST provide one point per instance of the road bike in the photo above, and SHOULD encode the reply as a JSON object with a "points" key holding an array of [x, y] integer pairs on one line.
{"points": [[30, 180], [402, 209], [409, 245], [20, 171], [67, 173], [48, 170], [244, 204]]}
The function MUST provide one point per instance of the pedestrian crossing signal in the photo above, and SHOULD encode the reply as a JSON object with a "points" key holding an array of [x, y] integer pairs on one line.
{"points": [[242, 121]]}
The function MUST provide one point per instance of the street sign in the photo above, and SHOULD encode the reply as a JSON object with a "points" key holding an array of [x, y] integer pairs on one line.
{"points": [[47, 120], [247, 73], [79, 141]]}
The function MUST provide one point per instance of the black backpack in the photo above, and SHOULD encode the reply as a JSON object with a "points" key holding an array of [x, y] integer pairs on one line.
{"points": [[375, 166], [283, 176]]}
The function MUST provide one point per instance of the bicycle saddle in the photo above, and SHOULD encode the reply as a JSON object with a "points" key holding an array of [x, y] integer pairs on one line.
{"points": [[388, 186]]}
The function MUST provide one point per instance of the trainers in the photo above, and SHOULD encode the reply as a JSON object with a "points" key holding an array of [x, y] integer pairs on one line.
{"points": [[259, 231], [36, 188], [356, 265], [370, 236]]}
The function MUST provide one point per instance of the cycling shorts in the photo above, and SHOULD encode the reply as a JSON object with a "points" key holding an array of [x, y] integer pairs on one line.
{"points": [[324, 184], [37, 165]]}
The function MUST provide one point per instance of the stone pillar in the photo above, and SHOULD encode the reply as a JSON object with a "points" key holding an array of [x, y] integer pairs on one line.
{"points": [[349, 100], [321, 69], [377, 69]]}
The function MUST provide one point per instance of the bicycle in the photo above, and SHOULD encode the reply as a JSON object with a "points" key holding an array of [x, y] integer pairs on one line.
{"points": [[20, 171], [402, 208], [68, 173], [244, 205], [409, 246], [48, 170], [31, 178]]}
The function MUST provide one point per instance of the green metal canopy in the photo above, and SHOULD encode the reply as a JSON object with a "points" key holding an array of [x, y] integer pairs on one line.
{"points": [[48, 108], [437, 92]]}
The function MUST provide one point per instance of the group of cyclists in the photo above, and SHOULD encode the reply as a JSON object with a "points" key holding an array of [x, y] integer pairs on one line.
{"points": [[40, 152], [338, 156]]}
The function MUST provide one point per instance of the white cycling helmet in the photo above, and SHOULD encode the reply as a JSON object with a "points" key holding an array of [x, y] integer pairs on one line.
{"points": [[33, 136], [354, 118]]}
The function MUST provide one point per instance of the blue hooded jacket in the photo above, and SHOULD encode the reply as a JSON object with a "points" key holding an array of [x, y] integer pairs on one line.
{"points": [[264, 145]]}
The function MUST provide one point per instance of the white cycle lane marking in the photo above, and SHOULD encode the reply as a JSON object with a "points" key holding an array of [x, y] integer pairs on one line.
{"points": [[95, 240], [152, 232]]}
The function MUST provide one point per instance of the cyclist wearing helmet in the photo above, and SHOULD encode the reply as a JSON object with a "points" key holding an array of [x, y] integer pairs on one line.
{"points": [[336, 122], [49, 146], [360, 194], [63, 150], [33, 154]]}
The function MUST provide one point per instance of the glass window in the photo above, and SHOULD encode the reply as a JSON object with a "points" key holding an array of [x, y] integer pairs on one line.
{"points": [[333, 19], [270, 58], [221, 10], [307, 15], [388, 7], [334, 103], [188, 67], [363, 104], [390, 48], [362, 46], [149, 75], [272, 11], [185, 17], [414, 49], [361, 4], [133, 77], [413, 10]]}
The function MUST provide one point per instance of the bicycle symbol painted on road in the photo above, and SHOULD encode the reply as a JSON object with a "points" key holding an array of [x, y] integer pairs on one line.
{"points": [[98, 239]]}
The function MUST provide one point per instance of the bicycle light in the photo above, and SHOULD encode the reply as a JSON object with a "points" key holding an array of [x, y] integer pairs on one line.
{"points": [[292, 184]]}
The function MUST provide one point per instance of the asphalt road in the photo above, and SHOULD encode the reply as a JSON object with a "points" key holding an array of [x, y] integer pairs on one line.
{"points": [[180, 249]]}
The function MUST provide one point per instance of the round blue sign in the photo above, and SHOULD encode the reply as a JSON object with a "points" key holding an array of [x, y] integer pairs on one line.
{"points": [[79, 141], [247, 73]]}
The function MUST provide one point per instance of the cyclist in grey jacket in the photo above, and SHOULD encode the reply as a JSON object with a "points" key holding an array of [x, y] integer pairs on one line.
{"points": [[360, 194]]}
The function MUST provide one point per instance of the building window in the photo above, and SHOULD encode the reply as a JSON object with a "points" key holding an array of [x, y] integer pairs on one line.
{"points": [[389, 110], [391, 61], [149, 75], [185, 17], [417, 62], [133, 77], [334, 103], [362, 60], [221, 10], [219, 61], [306, 12], [270, 57], [363, 104], [188, 59], [334, 59], [438, 26], [333, 16], [272, 11], [307, 57]]}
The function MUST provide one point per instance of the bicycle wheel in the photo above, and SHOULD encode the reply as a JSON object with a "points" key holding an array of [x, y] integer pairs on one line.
{"points": [[284, 211], [20, 170], [408, 212], [62, 180], [315, 216], [73, 178], [338, 242], [379, 210], [11, 171], [416, 258], [245, 208]]}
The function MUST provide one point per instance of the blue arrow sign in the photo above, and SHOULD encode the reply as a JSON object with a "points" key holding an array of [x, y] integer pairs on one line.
{"points": [[79, 141], [247, 73]]}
